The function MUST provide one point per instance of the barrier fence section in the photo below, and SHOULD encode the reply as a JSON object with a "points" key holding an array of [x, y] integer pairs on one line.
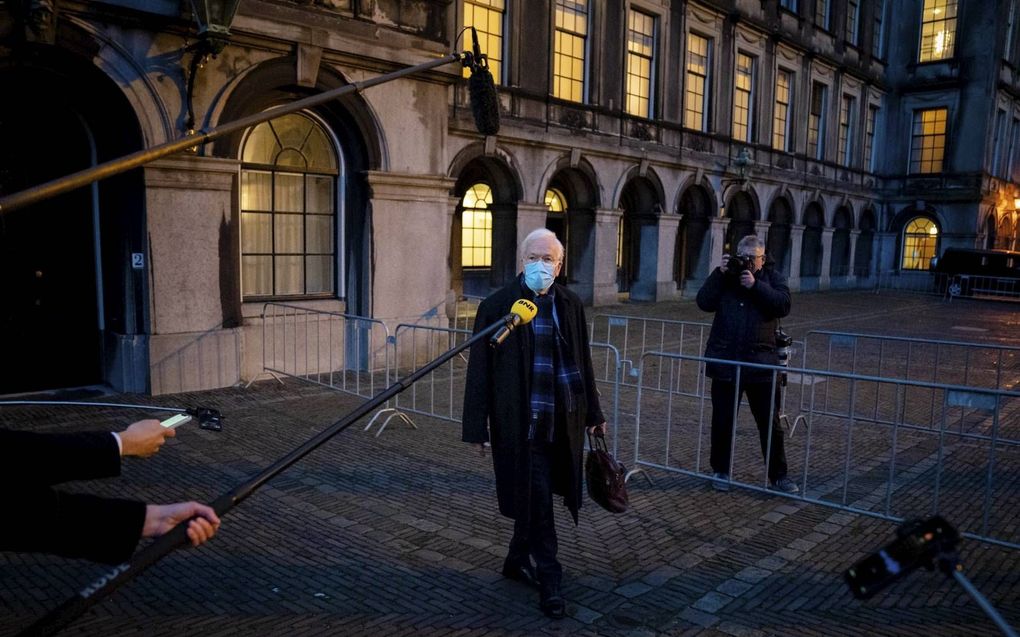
{"points": [[633, 336], [864, 453], [464, 310], [344, 352], [440, 394]]}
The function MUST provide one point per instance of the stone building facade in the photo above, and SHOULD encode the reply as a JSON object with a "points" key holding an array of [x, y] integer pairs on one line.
{"points": [[856, 137]]}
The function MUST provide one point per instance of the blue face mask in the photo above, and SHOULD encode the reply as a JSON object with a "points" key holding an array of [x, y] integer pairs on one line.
{"points": [[538, 275]]}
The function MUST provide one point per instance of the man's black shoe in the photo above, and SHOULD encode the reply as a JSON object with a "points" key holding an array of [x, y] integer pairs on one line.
{"points": [[551, 601], [522, 572]]}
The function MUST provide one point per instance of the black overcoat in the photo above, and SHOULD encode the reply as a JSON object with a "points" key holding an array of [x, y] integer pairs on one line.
{"points": [[744, 326], [52, 521], [497, 400]]}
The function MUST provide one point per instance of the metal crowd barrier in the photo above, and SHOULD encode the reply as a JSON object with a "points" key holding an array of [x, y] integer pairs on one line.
{"points": [[944, 361], [340, 351], [633, 336], [862, 453], [464, 310]]}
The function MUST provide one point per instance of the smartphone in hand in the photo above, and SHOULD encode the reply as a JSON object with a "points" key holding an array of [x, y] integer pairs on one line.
{"points": [[174, 422]]}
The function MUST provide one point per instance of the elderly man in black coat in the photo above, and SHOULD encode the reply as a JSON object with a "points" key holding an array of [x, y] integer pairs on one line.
{"points": [[531, 398], [748, 303]]}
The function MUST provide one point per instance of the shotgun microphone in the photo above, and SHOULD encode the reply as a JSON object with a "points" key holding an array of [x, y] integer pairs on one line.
{"points": [[482, 91], [521, 313]]}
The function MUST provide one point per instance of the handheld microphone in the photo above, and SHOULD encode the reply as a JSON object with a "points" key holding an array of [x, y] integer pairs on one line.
{"points": [[482, 91], [521, 313]]}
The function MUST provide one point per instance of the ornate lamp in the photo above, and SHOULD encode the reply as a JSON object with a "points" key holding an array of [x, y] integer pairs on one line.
{"points": [[213, 18]]}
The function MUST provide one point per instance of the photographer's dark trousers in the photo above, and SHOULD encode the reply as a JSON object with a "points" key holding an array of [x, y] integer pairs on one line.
{"points": [[537, 536], [759, 398]]}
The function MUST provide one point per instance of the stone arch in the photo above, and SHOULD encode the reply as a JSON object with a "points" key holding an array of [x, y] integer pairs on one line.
{"points": [[641, 199], [777, 244], [66, 114], [693, 239], [839, 259], [811, 246], [864, 250], [575, 225], [742, 211], [504, 184], [355, 128]]}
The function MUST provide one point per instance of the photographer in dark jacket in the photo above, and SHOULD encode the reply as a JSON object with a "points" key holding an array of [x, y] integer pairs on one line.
{"points": [[748, 301]]}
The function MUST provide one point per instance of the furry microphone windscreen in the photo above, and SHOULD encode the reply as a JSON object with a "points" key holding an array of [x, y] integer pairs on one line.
{"points": [[484, 100]]}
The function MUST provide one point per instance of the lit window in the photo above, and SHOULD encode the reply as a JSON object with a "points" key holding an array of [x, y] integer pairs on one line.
{"points": [[920, 239], [487, 17], [781, 115], [938, 30], [289, 176], [816, 122], [869, 138], [476, 227], [928, 143], [554, 201], [743, 97], [853, 9], [846, 114], [822, 14], [698, 66], [570, 47], [640, 62]]}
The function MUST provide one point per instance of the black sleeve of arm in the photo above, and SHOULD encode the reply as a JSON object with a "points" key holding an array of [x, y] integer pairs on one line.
{"points": [[711, 291], [595, 416], [773, 294], [45, 520], [51, 458], [476, 384]]}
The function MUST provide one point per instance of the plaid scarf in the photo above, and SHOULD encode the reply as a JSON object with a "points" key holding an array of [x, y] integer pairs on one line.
{"points": [[553, 372]]}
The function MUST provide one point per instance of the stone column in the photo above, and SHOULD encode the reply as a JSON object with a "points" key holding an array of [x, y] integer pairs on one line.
{"points": [[195, 280], [824, 281], [530, 217], [504, 244], [607, 228], [717, 239], [851, 275], [409, 210], [581, 253], [761, 229], [666, 288], [796, 249]]}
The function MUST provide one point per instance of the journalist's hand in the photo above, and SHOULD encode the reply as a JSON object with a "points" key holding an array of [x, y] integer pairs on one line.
{"points": [[725, 262], [747, 279], [599, 430]]}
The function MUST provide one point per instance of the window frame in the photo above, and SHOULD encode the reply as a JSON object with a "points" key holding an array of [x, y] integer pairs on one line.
{"points": [[486, 227], [706, 83], [557, 55], [791, 76], [913, 162], [337, 216], [921, 260], [818, 118], [749, 110], [845, 141], [652, 59], [951, 47], [499, 70]]}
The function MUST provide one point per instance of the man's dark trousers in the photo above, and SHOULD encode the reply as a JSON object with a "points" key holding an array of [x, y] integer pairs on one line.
{"points": [[759, 398], [539, 538]]}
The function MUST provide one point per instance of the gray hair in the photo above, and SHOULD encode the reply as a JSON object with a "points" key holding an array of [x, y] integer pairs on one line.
{"points": [[752, 242], [535, 235]]}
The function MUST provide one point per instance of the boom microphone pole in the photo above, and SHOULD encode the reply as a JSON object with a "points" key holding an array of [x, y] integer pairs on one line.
{"points": [[73, 607]]}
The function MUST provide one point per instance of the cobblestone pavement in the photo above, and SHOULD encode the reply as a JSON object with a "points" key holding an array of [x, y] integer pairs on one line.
{"points": [[399, 534]]}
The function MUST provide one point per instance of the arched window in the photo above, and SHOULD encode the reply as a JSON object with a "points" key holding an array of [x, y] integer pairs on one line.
{"points": [[554, 200], [556, 220], [290, 217], [476, 227], [920, 241]]}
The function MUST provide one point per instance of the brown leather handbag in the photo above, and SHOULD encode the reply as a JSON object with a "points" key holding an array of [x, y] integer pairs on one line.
{"points": [[605, 476]]}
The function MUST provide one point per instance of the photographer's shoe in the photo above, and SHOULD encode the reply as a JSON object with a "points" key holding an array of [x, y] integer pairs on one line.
{"points": [[721, 481], [784, 485]]}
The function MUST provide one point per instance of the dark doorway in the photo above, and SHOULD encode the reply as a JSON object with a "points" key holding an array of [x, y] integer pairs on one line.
{"points": [[740, 210], [637, 250], [777, 244], [691, 253], [49, 330]]}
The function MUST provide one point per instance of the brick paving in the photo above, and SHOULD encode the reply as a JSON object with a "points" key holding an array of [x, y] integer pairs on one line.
{"points": [[399, 535]]}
